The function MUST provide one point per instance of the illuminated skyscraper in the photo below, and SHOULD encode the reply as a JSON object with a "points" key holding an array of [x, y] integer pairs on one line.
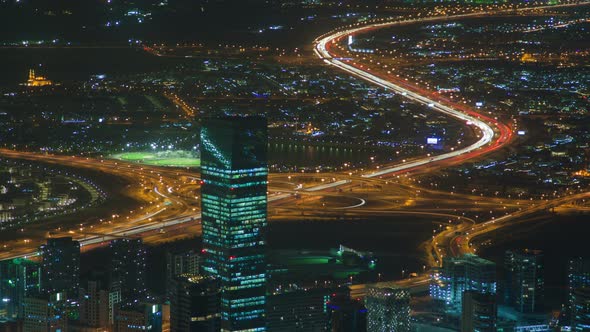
{"points": [[94, 309], [179, 263], [138, 317], [581, 309], [291, 307], [578, 276], [388, 309], [525, 282], [480, 312], [234, 180], [459, 274], [128, 269], [194, 303], [61, 267], [44, 313], [346, 314], [185, 262], [19, 278]]}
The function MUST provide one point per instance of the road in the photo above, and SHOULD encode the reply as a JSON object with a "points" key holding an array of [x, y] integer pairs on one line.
{"points": [[493, 135], [166, 198]]}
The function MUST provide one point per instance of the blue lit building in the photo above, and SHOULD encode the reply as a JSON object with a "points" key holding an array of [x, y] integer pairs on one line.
{"points": [[60, 269], [346, 314], [388, 309], [525, 279], [458, 274], [19, 278], [578, 276], [479, 312], [45, 313], [581, 309], [234, 174], [128, 269]]}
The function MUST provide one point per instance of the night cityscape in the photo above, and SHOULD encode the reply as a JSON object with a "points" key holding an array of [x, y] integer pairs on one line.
{"points": [[294, 166]]}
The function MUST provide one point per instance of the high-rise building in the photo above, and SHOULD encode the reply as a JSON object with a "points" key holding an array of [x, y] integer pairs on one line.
{"points": [[388, 309], [346, 315], [138, 317], [186, 262], [114, 302], [94, 306], [480, 312], [194, 304], [459, 274], [233, 205], [45, 313], [19, 278], [60, 270], [525, 281], [179, 263], [578, 276], [291, 308], [581, 309], [128, 270]]}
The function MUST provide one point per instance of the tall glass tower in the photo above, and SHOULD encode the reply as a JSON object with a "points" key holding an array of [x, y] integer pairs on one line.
{"points": [[60, 269], [526, 282], [388, 309], [234, 174], [128, 269], [460, 274]]}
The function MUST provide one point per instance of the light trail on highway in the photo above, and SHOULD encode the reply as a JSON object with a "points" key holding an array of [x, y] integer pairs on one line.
{"points": [[494, 135], [483, 123]]}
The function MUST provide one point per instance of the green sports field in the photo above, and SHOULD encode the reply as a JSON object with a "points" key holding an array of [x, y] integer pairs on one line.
{"points": [[166, 158]]}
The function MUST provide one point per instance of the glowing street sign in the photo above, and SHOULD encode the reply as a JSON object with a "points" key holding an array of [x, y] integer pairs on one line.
{"points": [[432, 140]]}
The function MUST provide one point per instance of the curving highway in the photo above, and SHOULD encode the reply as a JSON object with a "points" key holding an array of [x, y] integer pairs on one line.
{"points": [[487, 127], [494, 135]]}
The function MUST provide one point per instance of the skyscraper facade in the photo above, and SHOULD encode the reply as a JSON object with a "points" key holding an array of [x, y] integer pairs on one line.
{"points": [[388, 309], [179, 263], [578, 276], [186, 262], [194, 303], [233, 201], [61, 267], [459, 274], [19, 278], [301, 309], [94, 306], [346, 314], [138, 317], [525, 279], [44, 314], [581, 309], [128, 270], [480, 312]]}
